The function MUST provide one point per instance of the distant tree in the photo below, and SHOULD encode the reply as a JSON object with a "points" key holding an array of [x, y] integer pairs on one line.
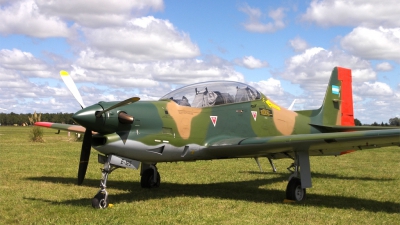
{"points": [[46, 117], [13, 118], [3, 118], [357, 122], [375, 124], [394, 121]]}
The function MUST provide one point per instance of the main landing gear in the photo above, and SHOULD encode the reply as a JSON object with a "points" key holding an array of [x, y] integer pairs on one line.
{"points": [[294, 191], [150, 177], [299, 180]]}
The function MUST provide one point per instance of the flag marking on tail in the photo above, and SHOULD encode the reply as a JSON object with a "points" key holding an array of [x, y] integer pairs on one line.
{"points": [[335, 89]]}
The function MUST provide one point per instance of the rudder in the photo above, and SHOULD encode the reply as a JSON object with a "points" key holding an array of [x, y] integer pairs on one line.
{"points": [[347, 110]]}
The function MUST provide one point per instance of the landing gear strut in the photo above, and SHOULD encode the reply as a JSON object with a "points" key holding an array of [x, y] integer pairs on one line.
{"points": [[270, 162], [111, 163], [299, 180], [100, 200]]}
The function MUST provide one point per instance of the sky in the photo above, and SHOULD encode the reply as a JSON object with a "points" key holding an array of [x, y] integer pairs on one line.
{"points": [[118, 49]]}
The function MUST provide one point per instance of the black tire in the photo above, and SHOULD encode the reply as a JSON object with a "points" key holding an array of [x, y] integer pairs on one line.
{"points": [[294, 191], [147, 181], [100, 201]]}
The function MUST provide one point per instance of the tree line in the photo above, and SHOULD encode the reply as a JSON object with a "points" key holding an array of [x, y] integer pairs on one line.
{"points": [[392, 122], [22, 119]]}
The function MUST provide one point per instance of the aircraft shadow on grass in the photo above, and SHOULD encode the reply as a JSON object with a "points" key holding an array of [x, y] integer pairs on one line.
{"points": [[236, 190]]}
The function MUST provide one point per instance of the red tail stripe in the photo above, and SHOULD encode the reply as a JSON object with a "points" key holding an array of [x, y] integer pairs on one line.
{"points": [[344, 75]]}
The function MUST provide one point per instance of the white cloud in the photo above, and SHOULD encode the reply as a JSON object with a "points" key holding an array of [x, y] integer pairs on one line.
{"points": [[24, 62], [373, 89], [380, 107], [368, 13], [111, 72], [254, 23], [3, 2], [16, 87], [114, 72], [298, 44], [270, 87], [10, 79], [312, 69], [142, 39], [273, 89], [385, 66], [19, 60], [17, 90], [369, 43], [24, 17], [251, 63], [192, 71], [314, 66], [99, 13]]}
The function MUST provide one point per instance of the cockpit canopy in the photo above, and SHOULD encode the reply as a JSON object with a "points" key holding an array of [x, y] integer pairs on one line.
{"points": [[213, 93]]}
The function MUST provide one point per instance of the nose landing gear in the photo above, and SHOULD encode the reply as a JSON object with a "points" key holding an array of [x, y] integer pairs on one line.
{"points": [[100, 200], [111, 163]]}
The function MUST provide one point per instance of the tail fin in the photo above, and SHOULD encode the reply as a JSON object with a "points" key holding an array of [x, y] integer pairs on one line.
{"points": [[337, 108]]}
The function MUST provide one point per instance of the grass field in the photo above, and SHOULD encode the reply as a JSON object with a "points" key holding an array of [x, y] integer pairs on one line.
{"points": [[38, 187]]}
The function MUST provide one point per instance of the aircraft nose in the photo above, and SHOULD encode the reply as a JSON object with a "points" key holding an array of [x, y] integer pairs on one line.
{"points": [[86, 117]]}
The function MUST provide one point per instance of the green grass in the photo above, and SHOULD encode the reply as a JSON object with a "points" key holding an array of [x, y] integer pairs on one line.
{"points": [[38, 187]]}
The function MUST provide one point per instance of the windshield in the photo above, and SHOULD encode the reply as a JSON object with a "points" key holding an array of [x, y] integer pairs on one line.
{"points": [[213, 93]]}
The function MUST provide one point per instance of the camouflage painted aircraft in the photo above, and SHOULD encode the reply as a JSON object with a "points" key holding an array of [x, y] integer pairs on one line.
{"points": [[219, 120]]}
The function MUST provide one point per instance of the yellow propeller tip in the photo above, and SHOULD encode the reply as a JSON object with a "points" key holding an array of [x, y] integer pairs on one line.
{"points": [[64, 73]]}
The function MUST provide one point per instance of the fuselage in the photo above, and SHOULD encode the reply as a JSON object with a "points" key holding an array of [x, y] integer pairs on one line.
{"points": [[164, 131]]}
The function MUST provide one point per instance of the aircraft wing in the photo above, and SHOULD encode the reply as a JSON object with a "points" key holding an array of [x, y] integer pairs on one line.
{"points": [[62, 126], [276, 147], [335, 128]]}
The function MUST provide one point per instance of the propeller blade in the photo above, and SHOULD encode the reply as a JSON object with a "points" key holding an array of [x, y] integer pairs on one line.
{"points": [[72, 87], [85, 154], [119, 104]]}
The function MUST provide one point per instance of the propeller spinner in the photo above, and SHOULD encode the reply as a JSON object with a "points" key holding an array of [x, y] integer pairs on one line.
{"points": [[88, 118]]}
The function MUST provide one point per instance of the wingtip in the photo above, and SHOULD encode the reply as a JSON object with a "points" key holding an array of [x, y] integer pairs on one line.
{"points": [[64, 73], [43, 124]]}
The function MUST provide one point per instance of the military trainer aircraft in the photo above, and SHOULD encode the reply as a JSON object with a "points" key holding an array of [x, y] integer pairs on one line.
{"points": [[219, 120]]}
